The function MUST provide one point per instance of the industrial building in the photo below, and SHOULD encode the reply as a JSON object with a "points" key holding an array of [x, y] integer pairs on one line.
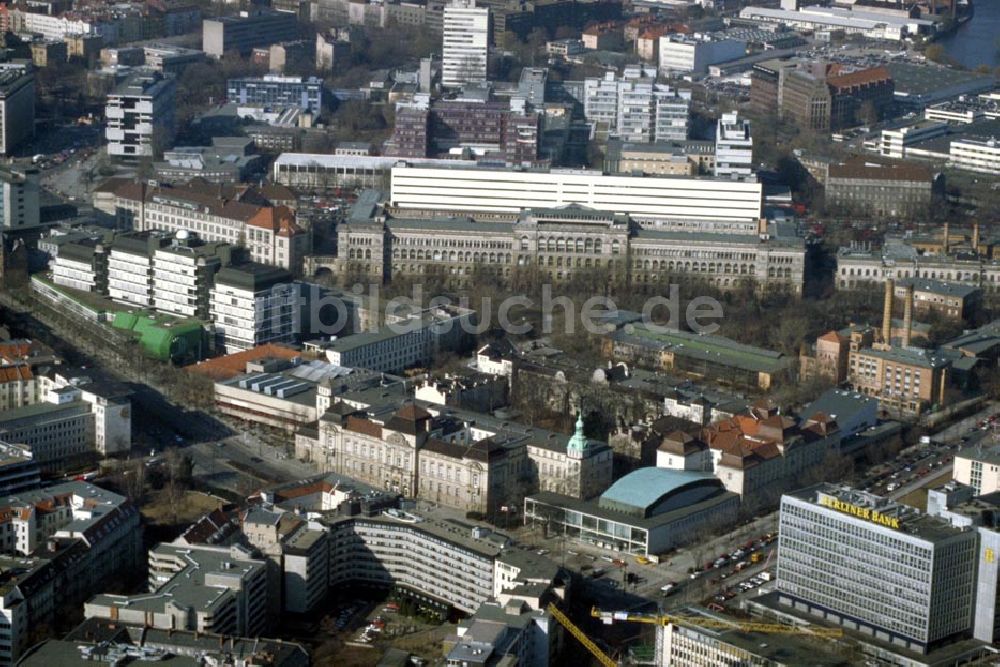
{"points": [[241, 33]]}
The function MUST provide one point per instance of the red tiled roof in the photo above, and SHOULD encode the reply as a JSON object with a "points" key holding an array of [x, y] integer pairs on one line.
{"points": [[15, 373], [360, 425], [231, 365]]}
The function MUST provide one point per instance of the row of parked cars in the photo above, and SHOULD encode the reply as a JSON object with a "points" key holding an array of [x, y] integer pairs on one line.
{"points": [[750, 552]]}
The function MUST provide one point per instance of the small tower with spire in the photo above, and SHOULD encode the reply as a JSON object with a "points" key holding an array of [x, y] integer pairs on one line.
{"points": [[576, 448]]}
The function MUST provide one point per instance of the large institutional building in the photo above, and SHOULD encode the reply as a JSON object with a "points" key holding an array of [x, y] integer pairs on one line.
{"points": [[561, 242], [270, 233], [465, 460], [509, 190]]}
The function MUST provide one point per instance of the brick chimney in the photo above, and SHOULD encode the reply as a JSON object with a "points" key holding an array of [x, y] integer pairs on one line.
{"points": [[908, 315], [890, 287], [947, 238], [975, 237]]}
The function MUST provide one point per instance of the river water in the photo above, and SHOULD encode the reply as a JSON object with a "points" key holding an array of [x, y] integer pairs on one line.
{"points": [[976, 43]]}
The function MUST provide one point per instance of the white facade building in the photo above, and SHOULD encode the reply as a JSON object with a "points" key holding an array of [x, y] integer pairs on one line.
{"points": [[130, 271], [733, 147], [979, 155], [509, 190], [465, 48], [635, 109], [17, 105], [895, 142], [685, 54], [140, 115], [253, 304]]}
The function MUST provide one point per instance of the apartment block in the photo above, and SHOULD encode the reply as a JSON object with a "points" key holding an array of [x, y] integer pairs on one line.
{"points": [[61, 545], [254, 304], [447, 560], [635, 108], [203, 588], [17, 106], [140, 115], [241, 33]]}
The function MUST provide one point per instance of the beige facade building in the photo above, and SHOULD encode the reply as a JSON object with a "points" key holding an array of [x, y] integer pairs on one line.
{"points": [[979, 467], [464, 460], [269, 233], [560, 243]]}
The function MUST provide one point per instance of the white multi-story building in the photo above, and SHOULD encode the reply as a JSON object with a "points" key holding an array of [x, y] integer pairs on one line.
{"points": [[140, 115], [254, 304], [182, 275], [636, 109], [17, 105], [733, 147], [682, 54], [514, 190], [130, 268], [845, 556], [978, 155], [895, 142], [19, 208], [465, 47]]}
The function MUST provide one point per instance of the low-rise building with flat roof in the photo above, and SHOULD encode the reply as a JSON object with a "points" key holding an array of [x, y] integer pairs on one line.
{"points": [[703, 355], [645, 512]]}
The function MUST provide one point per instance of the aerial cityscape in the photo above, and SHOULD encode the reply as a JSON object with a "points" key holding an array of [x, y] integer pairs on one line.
{"points": [[497, 333]]}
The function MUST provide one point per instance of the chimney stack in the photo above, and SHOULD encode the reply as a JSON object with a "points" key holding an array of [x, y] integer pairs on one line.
{"points": [[890, 287], [908, 315], [947, 238], [975, 237]]}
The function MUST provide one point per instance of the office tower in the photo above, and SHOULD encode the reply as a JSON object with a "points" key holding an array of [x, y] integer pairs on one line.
{"points": [[466, 43]]}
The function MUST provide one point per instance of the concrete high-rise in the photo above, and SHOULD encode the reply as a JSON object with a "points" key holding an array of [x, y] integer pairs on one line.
{"points": [[733, 147], [876, 567], [465, 47]]}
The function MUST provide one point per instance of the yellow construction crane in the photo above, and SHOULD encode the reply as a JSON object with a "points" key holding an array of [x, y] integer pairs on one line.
{"points": [[609, 617], [595, 650]]}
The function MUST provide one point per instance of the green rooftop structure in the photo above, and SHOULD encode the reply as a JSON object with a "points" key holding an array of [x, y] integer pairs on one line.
{"points": [[164, 338], [702, 355]]}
